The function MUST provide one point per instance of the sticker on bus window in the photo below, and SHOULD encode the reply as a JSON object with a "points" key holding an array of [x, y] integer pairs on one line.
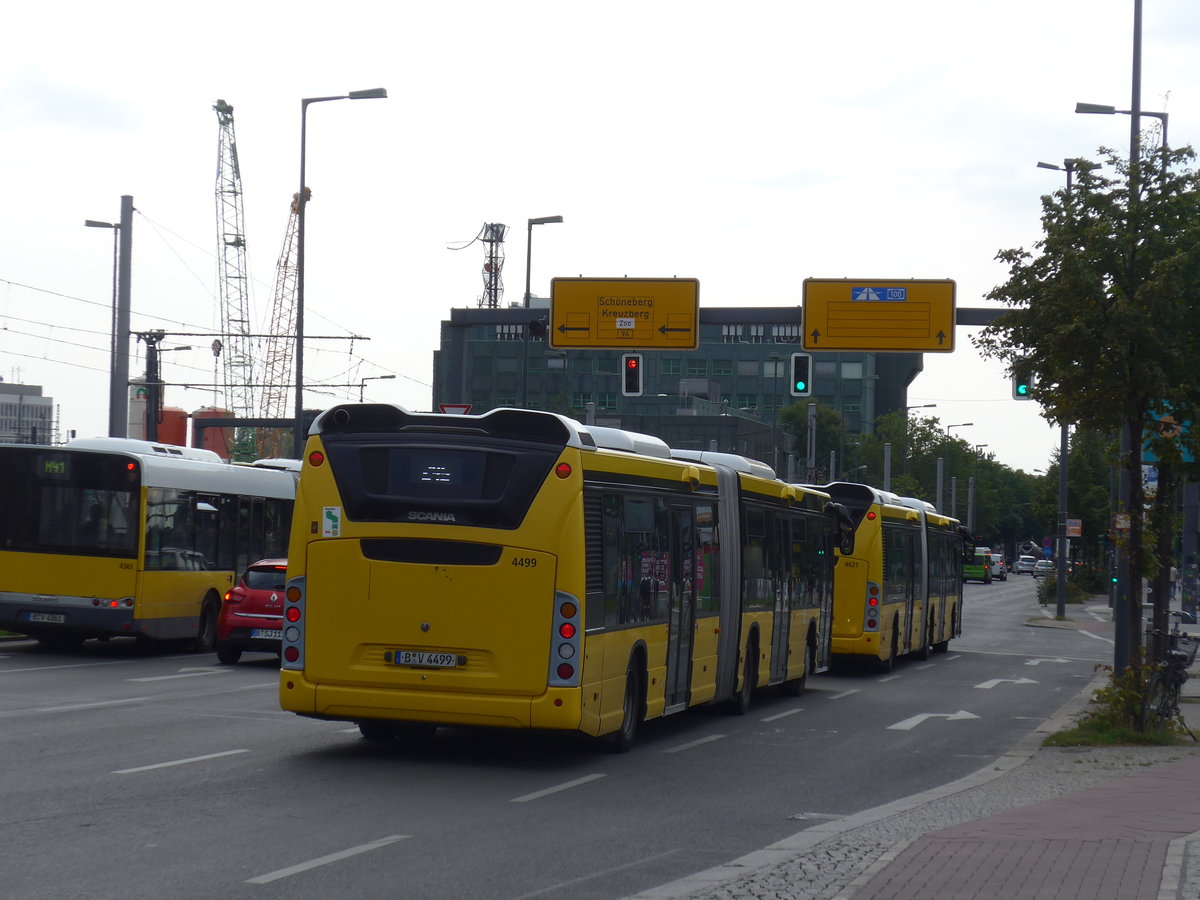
{"points": [[331, 522]]}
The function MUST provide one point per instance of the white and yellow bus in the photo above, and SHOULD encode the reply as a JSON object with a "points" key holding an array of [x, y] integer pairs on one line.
{"points": [[900, 590], [107, 537], [517, 569]]}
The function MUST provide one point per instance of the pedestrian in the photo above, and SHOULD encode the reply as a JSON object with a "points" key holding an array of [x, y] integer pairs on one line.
{"points": [[1174, 582]]}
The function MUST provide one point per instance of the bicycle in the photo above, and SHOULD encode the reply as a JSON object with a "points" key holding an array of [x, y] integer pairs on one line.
{"points": [[1160, 702]]}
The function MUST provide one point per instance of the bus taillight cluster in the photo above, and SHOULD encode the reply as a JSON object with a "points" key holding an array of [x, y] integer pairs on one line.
{"points": [[871, 613], [564, 655], [293, 627]]}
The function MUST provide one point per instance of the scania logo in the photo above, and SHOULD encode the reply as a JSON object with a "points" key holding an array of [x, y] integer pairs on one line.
{"points": [[417, 516]]}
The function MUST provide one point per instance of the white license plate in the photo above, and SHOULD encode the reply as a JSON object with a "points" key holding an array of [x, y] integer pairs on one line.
{"points": [[425, 658], [275, 634], [56, 618]]}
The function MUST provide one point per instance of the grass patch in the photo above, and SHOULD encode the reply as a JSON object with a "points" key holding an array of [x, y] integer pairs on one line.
{"points": [[1113, 718]]}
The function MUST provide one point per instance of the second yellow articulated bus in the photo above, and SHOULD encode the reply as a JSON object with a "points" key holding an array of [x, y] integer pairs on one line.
{"points": [[517, 569], [900, 590]]}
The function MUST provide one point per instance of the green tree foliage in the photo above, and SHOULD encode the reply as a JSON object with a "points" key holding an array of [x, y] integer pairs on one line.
{"points": [[1104, 311]]}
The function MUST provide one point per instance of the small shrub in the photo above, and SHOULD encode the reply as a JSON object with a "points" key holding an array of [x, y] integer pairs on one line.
{"points": [[1114, 716], [1047, 591]]}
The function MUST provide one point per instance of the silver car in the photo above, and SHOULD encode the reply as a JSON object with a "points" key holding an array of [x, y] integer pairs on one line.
{"points": [[1042, 568], [1025, 565]]}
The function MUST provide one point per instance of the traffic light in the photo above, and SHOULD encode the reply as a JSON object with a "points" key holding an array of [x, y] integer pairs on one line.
{"points": [[1022, 379], [801, 383], [631, 374]]}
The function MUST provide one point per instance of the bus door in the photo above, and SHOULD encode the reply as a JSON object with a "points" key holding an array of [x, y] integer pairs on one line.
{"points": [[681, 615], [781, 589], [912, 636]]}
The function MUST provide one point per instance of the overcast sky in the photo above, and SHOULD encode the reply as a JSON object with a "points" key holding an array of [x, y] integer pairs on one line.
{"points": [[746, 145]]}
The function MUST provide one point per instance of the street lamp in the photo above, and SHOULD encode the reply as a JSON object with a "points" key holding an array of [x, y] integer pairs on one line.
{"points": [[118, 384], [362, 385], [979, 447], [959, 425], [372, 94], [542, 220], [1102, 110]]}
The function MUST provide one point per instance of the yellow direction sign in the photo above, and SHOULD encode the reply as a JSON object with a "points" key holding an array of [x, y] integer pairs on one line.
{"points": [[625, 313], [879, 314]]}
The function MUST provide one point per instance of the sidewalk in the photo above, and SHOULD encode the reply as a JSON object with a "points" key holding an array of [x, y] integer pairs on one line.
{"points": [[1114, 823]]}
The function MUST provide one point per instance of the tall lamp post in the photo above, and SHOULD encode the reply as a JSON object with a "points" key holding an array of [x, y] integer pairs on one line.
{"points": [[362, 384], [118, 384], [1064, 435], [372, 94], [941, 465], [541, 220], [1102, 110]]}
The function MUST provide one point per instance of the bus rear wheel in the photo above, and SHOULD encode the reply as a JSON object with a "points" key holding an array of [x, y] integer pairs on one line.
{"points": [[740, 704], [883, 666], [631, 709], [206, 631]]}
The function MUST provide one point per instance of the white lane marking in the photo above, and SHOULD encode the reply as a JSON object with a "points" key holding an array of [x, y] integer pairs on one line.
{"points": [[565, 786], [890, 678], [178, 762], [988, 685], [927, 666], [1038, 662], [690, 744], [913, 721], [325, 860], [954, 657], [186, 672], [1096, 636], [844, 694], [92, 705], [783, 715]]}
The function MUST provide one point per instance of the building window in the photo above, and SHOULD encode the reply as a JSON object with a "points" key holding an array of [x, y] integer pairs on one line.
{"points": [[731, 334], [786, 334], [579, 399], [747, 368], [506, 400], [556, 363], [746, 402], [824, 369], [697, 368], [608, 400], [852, 370], [669, 367], [756, 334], [851, 409], [509, 332], [583, 365], [722, 367], [775, 368]]}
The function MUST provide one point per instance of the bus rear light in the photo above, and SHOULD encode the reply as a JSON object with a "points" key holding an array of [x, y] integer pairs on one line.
{"points": [[292, 651], [316, 458], [562, 470], [871, 623], [113, 604], [874, 601], [565, 641]]}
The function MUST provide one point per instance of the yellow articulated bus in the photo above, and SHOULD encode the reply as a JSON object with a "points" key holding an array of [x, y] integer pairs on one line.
{"points": [[107, 537], [517, 569], [900, 590]]}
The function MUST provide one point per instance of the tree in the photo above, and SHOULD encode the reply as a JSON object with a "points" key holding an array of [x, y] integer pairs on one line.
{"points": [[1104, 316], [794, 421]]}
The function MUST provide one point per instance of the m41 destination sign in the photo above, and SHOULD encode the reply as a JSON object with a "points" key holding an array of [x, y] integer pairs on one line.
{"points": [[624, 313]]}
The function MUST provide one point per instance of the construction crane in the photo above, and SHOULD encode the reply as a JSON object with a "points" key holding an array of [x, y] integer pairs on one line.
{"points": [[233, 281], [279, 344]]}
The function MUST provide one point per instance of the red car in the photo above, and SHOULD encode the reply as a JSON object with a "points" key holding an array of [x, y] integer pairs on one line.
{"points": [[252, 613]]}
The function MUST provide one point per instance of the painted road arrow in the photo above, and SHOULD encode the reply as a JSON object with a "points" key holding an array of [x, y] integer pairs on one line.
{"points": [[1037, 662], [911, 723], [988, 685]]}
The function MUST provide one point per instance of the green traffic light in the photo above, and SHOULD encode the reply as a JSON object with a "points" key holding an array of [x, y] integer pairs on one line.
{"points": [[801, 385], [1022, 389]]}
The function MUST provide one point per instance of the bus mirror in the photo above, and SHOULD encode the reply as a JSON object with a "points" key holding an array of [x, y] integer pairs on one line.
{"points": [[844, 525], [968, 550]]}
